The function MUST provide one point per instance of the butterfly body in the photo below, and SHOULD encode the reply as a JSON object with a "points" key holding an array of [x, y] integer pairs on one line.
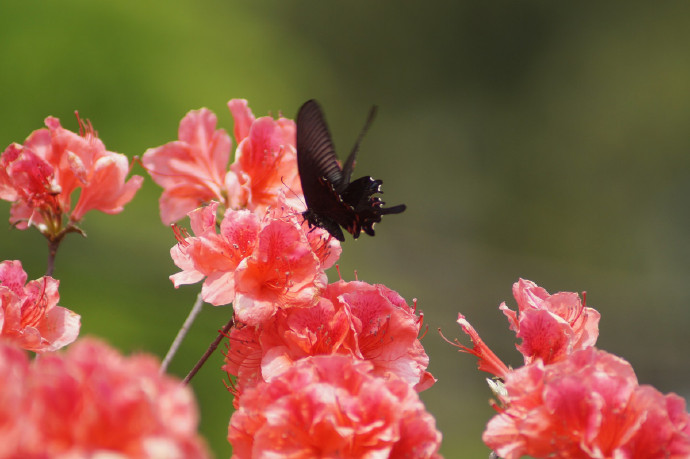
{"points": [[332, 200]]}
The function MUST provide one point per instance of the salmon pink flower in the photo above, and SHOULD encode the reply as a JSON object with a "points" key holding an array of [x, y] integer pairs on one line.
{"points": [[332, 406], [40, 176], [586, 405], [213, 255], [15, 428], [266, 158], [93, 402], [551, 326], [193, 169], [363, 321], [258, 265], [29, 315]]}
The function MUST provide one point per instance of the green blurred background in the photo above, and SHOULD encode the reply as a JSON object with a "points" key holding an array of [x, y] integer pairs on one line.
{"points": [[544, 140]]}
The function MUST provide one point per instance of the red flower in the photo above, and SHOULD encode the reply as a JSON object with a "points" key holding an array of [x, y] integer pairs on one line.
{"points": [[332, 406], [259, 266], [40, 176], [586, 405], [91, 401], [551, 326], [29, 315], [193, 169], [369, 322]]}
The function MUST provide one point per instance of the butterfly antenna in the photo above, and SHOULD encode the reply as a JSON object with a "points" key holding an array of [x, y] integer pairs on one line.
{"points": [[350, 162]]}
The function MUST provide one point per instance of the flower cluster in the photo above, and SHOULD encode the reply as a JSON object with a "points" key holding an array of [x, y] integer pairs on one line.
{"points": [[89, 401], [29, 314], [40, 176], [93, 402], [571, 400], [319, 369]]}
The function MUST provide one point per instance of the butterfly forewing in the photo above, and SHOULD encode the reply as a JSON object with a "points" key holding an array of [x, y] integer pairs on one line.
{"points": [[317, 159]]}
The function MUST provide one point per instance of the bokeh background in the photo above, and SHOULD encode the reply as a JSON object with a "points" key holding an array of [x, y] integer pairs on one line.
{"points": [[543, 140]]}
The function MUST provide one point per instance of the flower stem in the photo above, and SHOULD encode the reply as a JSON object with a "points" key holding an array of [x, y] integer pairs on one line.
{"points": [[53, 245], [196, 309], [221, 334]]}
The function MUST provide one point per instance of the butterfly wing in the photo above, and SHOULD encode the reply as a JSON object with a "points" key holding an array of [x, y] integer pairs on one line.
{"points": [[316, 157]]}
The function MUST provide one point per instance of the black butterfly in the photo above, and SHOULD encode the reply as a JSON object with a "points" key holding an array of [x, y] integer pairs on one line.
{"points": [[332, 200]]}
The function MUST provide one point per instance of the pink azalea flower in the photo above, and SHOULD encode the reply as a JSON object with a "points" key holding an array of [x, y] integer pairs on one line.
{"points": [[29, 315], [15, 429], [266, 158], [332, 406], [258, 265], [587, 405], [91, 401], [193, 169], [551, 326], [369, 322], [40, 176], [215, 256]]}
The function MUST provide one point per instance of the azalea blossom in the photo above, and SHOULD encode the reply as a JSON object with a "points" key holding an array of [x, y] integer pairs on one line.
{"points": [[363, 321], [550, 326], [265, 161], [571, 400], [39, 177], [92, 402], [258, 265], [332, 406], [587, 405], [194, 171], [29, 314]]}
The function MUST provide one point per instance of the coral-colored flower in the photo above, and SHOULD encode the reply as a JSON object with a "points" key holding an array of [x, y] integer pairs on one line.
{"points": [[265, 161], [259, 266], [587, 405], [40, 176], [332, 406], [551, 326], [193, 169], [488, 361], [29, 314], [212, 255], [363, 321], [15, 427], [93, 402]]}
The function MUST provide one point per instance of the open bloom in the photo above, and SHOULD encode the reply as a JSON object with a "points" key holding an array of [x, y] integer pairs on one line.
{"points": [[332, 406], [551, 326], [363, 321], [258, 265], [193, 170], [587, 405], [40, 176], [266, 159], [93, 402], [571, 400], [29, 314]]}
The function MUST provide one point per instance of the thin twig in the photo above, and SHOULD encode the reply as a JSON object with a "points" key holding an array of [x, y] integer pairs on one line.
{"points": [[196, 309], [221, 334]]}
